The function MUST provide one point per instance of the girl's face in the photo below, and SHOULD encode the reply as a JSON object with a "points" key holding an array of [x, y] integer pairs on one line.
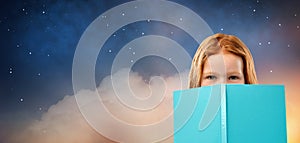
{"points": [[223, 67]]}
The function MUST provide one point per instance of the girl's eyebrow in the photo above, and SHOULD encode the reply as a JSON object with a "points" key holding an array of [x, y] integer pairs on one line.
{"points": [[214, 73], [234, 72]]}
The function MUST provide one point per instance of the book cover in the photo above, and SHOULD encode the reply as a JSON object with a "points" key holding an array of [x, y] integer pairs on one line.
{"points": [[229, 113]]}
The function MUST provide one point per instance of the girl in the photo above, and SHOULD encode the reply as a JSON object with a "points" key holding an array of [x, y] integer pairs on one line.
{"points": [[222, 58]]}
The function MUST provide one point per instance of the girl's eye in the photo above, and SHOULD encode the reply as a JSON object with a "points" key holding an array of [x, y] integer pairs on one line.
{"points": [[233, 78], [211, 77]]}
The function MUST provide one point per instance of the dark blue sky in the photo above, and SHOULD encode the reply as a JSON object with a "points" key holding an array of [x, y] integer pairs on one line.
{"points": [[39, 38]]}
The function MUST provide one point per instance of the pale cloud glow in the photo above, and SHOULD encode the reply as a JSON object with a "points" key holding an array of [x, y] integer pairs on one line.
{"points": [[63, 122]]}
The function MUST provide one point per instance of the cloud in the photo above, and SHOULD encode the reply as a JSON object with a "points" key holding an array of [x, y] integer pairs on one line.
{"points": [[64, 123]]}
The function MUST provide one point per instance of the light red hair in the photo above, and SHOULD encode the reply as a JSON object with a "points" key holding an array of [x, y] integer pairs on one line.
{"points": [[213, 45]]}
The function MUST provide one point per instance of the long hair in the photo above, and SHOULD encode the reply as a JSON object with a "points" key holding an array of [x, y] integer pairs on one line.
{"points": [[213, 45]]}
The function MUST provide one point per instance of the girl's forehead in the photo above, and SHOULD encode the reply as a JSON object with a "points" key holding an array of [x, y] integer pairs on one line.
{"points": [[223, 63]]}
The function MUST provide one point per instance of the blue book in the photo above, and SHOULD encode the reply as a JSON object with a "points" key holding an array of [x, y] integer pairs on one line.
{"points": [[229, 113]]}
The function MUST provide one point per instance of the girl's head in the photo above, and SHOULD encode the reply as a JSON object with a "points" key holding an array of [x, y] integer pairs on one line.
{"points": [[222, 58]]}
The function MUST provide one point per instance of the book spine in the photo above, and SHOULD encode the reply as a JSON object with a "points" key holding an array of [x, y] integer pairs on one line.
{"points": [[223, 114]]}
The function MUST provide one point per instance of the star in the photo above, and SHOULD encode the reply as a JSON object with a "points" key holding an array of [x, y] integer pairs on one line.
{"points": [[21, 99], [269, 43], [279, 24], [259, 43], [29, 53], [10, 70]]}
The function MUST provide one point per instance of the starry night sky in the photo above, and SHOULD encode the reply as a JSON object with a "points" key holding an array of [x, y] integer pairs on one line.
{"points": [[39, 38]]}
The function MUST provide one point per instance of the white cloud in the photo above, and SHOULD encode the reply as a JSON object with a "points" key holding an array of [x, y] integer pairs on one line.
{"points": [[63, 122]]}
